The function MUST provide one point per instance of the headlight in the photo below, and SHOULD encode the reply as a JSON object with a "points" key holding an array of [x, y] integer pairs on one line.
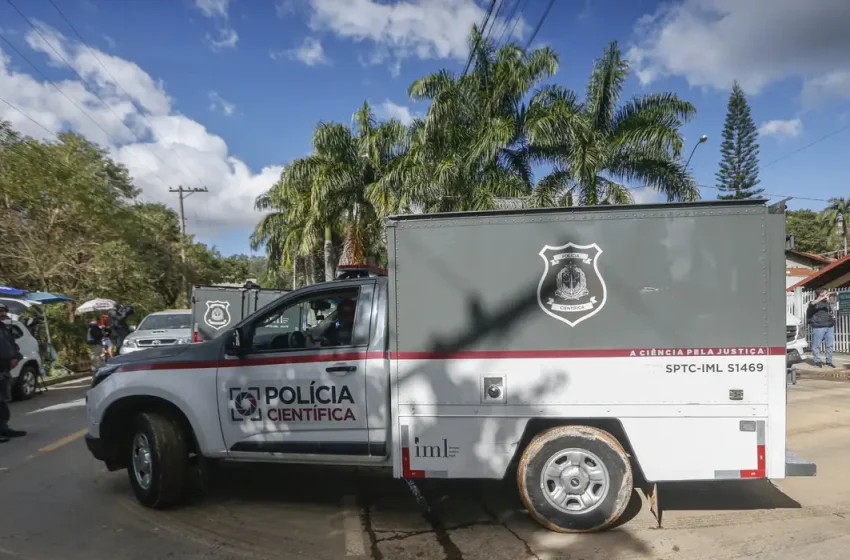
{"points": [[102, 373], [130, 343], [183, 340]]}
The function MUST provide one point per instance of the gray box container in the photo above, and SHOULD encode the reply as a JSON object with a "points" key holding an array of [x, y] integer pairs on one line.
{"points": [[696, 275], [214, 308]]}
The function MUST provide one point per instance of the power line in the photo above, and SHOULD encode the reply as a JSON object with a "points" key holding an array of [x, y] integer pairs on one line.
{"points": [[478, 39], [115, 80], [539, 24], [508, 20], [807, 146], [47, 130], [57, 88], [85, 83], [495, 19]]}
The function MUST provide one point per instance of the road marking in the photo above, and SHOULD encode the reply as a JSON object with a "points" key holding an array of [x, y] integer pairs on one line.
{"points": [[64, 441], [61, 406], [78, 381], [354, 545]]}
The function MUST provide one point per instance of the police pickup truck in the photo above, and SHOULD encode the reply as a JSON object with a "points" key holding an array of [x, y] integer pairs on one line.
{"points": [[584, 351]]}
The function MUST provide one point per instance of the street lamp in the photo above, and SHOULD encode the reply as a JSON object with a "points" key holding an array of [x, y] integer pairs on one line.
{"points": [[702, 140]]}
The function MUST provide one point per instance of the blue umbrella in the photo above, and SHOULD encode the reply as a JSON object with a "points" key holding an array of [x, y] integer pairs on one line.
{"points": [[46, 298], [9, 291]]}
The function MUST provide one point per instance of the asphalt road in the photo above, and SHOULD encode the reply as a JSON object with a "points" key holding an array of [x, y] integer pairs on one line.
{"points": [[57, 502]]}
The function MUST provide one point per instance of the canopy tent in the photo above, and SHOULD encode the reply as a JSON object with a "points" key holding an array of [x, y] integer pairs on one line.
{"points": [[11, 292], [41, 298]]}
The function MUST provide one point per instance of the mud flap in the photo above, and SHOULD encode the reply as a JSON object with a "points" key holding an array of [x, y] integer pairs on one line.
{"points": [[655, 504]]}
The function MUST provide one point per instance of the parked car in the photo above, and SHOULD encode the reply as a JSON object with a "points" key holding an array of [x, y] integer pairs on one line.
{"points": [[163, 328], [17, 307], [29, 368]]}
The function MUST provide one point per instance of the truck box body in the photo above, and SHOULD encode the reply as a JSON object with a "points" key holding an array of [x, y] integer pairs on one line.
{"points": [[215, 308], [682, 317]]}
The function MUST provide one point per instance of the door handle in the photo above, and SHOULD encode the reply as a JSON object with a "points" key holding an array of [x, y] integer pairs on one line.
{"points": [[340, 369]]}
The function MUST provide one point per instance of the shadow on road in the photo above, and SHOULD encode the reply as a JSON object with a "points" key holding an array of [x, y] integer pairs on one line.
{"points": [[724, 495]]}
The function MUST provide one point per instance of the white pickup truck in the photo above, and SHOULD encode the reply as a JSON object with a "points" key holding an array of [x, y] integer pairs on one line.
{"points": [[584, 351]]}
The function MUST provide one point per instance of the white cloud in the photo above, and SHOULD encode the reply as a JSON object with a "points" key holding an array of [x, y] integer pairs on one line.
{"points": [[831, 85], [284, 8], [713, 42], [790, 128], [389, 110], [310, 53], [427, 29], [165, 147], [109, 41], [644, 195], [217, 10], [217, 102], [213, 8], [227, 39]]}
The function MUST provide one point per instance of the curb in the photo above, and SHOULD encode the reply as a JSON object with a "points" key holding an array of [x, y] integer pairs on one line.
{"points": [[837, 376], [50, 381]]}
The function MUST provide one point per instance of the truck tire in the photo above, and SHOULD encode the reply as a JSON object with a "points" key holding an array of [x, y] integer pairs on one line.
{"points": [[159, 460], [575, 479]]}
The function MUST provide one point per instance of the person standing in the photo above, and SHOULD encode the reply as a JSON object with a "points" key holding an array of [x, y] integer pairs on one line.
{"points": [[10, 355], [820, 315], [120, 328]]}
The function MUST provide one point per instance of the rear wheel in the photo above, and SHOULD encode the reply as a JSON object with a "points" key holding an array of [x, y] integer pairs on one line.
{"points": [[25, 384], [159, 460], [575, 479]]}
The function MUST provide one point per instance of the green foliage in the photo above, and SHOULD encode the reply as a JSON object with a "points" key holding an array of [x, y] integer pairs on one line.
{"points": [[837, 218], [812, 234], [70, 223], [474, 150], [738, 174]]}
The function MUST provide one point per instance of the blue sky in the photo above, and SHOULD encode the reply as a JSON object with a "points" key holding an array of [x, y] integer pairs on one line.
{"points": [[231, 90]]}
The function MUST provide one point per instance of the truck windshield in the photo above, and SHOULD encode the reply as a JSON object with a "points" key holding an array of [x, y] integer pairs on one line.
{"points": [[166, 321]]}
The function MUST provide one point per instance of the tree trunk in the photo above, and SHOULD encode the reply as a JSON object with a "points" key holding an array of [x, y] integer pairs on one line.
{"points": [[294, 272], [329, 255]]}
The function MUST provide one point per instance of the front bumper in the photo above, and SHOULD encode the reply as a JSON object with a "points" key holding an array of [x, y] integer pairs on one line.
{"points": [[96, 448], [103, 452], [129, 350], [795, 352]]}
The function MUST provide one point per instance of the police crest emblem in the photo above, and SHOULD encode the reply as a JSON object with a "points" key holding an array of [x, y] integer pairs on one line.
{"points": [[217, 315], [571, 288]]}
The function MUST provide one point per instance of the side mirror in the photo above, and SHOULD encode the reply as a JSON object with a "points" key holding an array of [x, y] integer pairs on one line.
{"points": [[240, 340], [132, 328]]}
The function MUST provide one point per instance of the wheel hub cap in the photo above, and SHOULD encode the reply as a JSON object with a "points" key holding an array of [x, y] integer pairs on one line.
{"points": [[142, 461], [575, 481]]}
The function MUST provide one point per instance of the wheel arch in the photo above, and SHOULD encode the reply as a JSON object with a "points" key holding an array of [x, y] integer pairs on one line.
{"points": [[116, 424], [613, 426]]}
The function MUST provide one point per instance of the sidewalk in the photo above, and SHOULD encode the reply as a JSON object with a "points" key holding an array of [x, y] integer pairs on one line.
{"points": [[841, 372]]}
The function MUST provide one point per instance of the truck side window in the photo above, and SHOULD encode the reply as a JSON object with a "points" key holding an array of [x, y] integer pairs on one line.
{"points": [[318, 320]]}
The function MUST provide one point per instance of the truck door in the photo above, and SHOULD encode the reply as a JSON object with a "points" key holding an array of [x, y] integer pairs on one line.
{"points": [[302, 389]]}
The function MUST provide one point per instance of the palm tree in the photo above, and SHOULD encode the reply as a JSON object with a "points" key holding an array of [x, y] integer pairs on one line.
{"points": [[596, 146], [330, 192], [837, 215], [471, 149]]}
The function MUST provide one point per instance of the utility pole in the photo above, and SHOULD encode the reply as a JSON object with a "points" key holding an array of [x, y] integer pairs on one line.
{"points": [[184, 193]]}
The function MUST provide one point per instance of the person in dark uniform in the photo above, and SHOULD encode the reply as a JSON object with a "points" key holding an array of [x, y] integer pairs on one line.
{"points": [[341, 332], [10, 355]]}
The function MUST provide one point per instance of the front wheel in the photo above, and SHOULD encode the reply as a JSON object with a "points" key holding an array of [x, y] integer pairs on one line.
{"points": [[26, 382], [159, 460], [575, 479]]}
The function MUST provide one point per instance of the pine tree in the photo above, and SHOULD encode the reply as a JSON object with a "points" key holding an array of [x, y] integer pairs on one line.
{"points": [[738, 175]]}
